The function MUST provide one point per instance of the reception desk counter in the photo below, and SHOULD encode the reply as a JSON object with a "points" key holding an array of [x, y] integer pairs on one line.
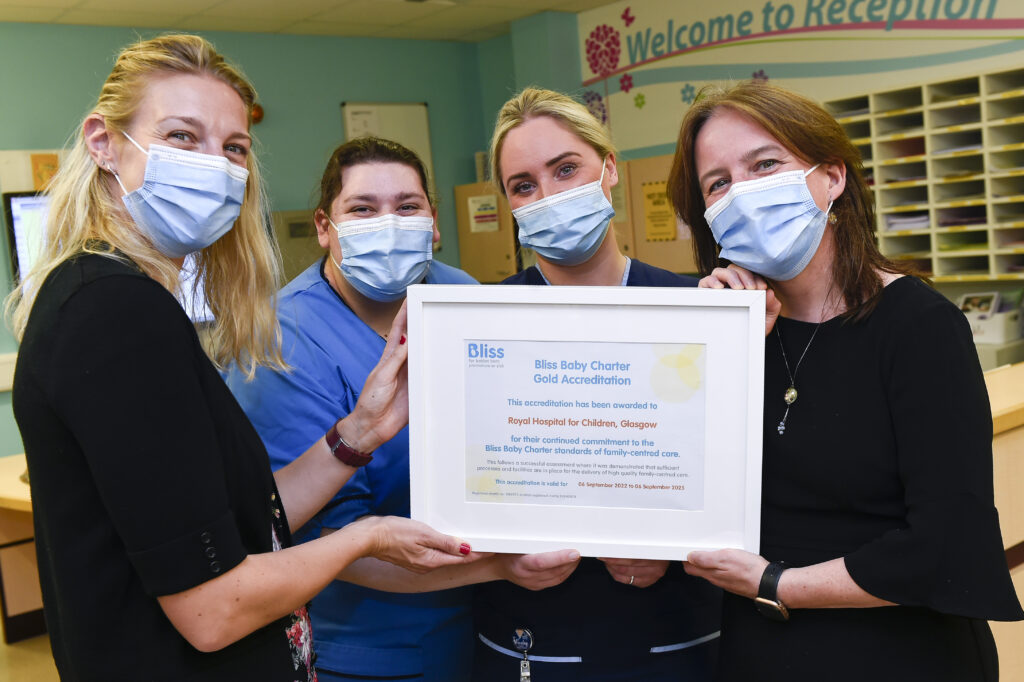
{"points": [[1006, 393], [20, 601]]}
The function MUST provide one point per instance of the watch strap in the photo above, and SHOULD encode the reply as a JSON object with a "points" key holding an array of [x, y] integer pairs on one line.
{"points": [[343, 451], [767, 600]]}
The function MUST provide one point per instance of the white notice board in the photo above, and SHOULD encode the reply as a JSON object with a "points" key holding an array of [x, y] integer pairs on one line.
{"points": [[405, 123]]}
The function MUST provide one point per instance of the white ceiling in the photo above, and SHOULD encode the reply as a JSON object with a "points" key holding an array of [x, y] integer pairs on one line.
{"points": [[465, 20]]}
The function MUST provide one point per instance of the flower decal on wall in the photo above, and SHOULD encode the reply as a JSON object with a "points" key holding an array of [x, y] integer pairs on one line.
{"points": [[603, 50], [628, 18], [760, 75], [639, 101], [595, 104], [688, 92], [626, 83]]}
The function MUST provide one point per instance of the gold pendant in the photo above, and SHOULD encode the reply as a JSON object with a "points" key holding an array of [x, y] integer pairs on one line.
{"points": [[790, 396]]}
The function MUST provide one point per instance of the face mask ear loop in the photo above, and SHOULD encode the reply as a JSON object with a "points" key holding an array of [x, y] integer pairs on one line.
{"points": [[338, 231], [828, 211], [137, 145], [118, 177], [336, 263]]}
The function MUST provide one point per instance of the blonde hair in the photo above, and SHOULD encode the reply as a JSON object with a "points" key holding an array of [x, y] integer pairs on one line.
{"points": [[240, 271], [533, 102]]}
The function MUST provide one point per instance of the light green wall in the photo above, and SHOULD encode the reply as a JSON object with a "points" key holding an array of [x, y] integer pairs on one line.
{"points": [[539, 51], [545, 50], [10, 439], [301, 80], [497, 80]]}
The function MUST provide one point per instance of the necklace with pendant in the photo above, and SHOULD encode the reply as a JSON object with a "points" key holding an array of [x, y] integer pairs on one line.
{"points": [[790, 395]]}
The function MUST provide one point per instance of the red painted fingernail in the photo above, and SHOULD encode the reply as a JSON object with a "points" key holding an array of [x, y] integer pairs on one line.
{"points": [[464, 549], [401, 341]]}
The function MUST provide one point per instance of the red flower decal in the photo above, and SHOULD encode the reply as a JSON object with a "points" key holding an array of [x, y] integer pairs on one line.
{"points": [[626, 83], [603, 50], [628, 18]]}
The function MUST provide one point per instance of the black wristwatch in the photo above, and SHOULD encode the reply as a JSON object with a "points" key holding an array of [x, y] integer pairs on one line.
{"points": [[767, 601]]}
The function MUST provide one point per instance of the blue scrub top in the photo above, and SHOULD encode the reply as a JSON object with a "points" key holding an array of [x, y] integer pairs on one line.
{"points": [[357, 630]]}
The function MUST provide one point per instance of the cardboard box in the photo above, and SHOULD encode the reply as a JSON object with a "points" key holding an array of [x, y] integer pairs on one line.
{"points": [[996, 327]]}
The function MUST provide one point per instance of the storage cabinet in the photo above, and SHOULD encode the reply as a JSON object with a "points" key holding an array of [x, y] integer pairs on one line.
{"points": [[946, 160]]}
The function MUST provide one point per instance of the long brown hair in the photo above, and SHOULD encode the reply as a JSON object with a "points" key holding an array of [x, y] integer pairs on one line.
{"points": [[811, 133]]}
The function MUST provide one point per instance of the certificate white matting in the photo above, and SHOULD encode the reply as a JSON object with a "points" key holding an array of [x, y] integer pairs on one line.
{"points": [[619, 421]]}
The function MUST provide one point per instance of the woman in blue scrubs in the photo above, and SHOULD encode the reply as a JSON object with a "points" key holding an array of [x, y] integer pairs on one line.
{"points": [[612, 619], [377, 221]]}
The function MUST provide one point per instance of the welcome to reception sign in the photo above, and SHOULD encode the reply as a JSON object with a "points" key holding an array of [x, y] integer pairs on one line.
{"points": [[643, 62]]}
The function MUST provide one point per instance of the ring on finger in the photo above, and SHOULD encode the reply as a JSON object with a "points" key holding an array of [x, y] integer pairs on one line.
{"points": [[632, 578]]}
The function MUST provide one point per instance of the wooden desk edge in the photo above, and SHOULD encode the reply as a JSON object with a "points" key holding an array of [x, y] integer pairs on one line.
{"points": [[14, 493], [15, 504], [1007, 419], [1006, 393], [1015, 555]]}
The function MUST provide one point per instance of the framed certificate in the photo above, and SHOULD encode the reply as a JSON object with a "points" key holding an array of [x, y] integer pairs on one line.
{"points": [[619, 421]]}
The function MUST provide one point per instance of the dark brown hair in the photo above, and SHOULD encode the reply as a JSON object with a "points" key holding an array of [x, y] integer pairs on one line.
{"points": [[367, 150], [811, 133]]}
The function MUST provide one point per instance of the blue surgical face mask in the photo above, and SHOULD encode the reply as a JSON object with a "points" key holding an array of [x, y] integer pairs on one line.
{"points": [[187, 200], [566, 228], [770, 225], [382, 256]]}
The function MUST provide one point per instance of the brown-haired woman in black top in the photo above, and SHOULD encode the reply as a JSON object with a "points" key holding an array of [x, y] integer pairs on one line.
{"points": [[881, 555]]}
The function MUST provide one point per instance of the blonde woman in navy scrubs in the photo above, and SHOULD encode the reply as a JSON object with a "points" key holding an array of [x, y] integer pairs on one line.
{"points": [[612, 619]]}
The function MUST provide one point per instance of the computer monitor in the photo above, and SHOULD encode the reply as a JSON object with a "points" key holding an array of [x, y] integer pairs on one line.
{"points": [[25, 213]]}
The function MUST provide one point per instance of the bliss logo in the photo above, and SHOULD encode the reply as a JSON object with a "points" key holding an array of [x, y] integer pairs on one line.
{"points": [[482, 350]]}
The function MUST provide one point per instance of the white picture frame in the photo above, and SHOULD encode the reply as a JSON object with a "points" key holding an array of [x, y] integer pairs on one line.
{"points": [[450, 404], [982, 304]]}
